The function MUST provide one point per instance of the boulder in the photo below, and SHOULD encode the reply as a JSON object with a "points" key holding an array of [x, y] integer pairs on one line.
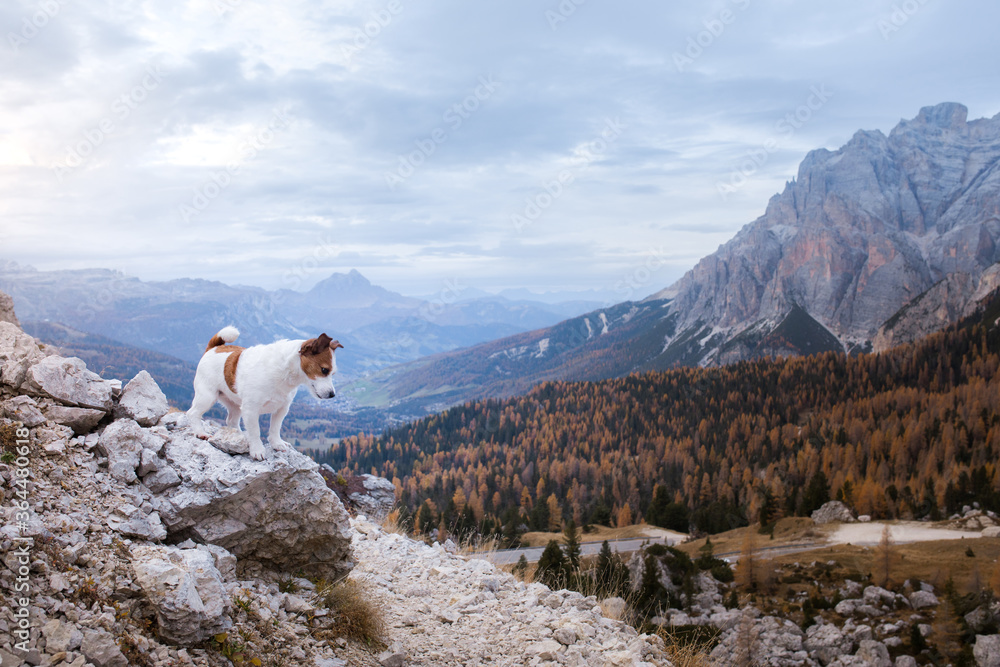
{"points": [[81, 420], [826, 643], [131, 521], [278, 512], [833, 511], [22, 409], [123, 442], [874, 653], [923, 600], [992, 531], [987, 650], [142, 400], [7, 310], [230, 441], [67, 380], [377, 499], [186, 591], [60, 636], [18, 353], [101, 649]]}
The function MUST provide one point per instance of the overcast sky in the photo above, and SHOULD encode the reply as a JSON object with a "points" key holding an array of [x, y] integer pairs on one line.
{"points": [[517, 144]]}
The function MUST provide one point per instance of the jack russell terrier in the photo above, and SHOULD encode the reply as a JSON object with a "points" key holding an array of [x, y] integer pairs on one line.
{"points": [[262, 379]]}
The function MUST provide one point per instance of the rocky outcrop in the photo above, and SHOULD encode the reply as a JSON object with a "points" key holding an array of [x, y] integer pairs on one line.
{"points": [[831, 512], [987, 651], [142, 401], [277, 512], [860, 232], [186, 590], [7, 310]]}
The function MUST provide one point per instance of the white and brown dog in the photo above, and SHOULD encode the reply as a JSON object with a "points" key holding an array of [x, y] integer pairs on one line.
{"points": [[257, 380]]}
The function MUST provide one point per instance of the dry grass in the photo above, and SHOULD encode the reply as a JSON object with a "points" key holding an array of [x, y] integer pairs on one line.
{"points": [[599, 534], [392, 523], [358, 614], [790, 530]]}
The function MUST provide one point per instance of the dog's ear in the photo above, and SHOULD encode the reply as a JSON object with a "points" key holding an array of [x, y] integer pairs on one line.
{"points": [[334, 344], [315, 346]]}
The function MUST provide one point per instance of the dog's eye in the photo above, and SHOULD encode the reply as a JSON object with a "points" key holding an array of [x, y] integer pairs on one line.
{"points": [[324, 371]]}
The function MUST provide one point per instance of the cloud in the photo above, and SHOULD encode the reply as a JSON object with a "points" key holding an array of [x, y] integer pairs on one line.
{"points": [[416, 131]]}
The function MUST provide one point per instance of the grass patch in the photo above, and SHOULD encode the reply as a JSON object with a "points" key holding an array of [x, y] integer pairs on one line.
{"points": [[358, 614]]}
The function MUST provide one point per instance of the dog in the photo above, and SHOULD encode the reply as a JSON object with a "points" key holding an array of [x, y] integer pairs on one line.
{"points": [[257, 380]]}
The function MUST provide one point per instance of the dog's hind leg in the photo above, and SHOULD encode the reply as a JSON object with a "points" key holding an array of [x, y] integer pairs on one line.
{"points": [[232, 412], [202, 402]]}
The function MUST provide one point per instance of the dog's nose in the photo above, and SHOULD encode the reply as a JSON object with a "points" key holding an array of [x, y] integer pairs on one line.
{"points": [[331, 394]]}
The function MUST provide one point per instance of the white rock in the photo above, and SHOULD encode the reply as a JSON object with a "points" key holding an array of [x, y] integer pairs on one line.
{"points": [[230, 441], [992, 531], [185, 589], [142, 400], [833, 511], [67, 380], [923, 599], [874, 653], [81, 420], [987, 650], [102, 650], [22, 409], [278, 511], [18, 353], [60, 636], [547, 649], [122, 442]]}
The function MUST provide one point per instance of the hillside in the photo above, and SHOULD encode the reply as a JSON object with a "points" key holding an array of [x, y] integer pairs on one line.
{"points": [[913, 432], [859, 234]]}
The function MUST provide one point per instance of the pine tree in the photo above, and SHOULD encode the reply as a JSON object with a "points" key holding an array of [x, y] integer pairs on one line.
{"points": [[520, 567], [572, 537], [552, 567], [884, 558]]}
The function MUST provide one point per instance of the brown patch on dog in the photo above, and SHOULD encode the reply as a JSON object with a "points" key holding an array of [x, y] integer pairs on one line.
{"points": [[230, 368], [317, 354], [222, 349], [215, 342]]}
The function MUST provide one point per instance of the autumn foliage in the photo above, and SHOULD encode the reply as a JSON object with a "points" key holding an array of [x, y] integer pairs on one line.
{"points": [[911, 432]]}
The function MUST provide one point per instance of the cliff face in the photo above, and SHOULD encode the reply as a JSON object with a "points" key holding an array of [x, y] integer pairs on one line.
{"points": [[861, 232]]}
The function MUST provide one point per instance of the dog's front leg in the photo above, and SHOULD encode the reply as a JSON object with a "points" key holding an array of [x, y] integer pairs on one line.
{"points": [[251, 419], [274, 432]]}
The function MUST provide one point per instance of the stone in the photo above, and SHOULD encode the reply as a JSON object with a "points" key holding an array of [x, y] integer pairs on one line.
{"points": [[831, 512], [60, 636], [138, 524], [547, 649], [161, 480], [565, 636], [878, 597], [992, 531], [81, 420], [923, 600], [18, 353], [905, 661], [123, 442], [394, 657], [296, 605], [377, 499], [186, 591], [826, 642], [225, 562], [67, 380], [102, 650], [873, 653], [987, 650], [142, 401], [230, 441], [864, 518], [847, 607], [22, 409], [278, 512], [7, 310]]}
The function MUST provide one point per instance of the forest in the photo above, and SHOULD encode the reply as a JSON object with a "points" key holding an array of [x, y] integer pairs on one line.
{"points": [[909, 433]]}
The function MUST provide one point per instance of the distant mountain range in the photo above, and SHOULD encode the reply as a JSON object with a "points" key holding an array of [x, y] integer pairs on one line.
{"points": [[883, 223], [377, 327]]}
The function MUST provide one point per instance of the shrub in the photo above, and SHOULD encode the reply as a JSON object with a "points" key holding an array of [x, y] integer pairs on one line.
{"points": [[358, 614]]}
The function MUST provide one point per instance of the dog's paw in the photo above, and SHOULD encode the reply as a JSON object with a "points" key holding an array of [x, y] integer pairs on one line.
{"points": [[280, 445], [202, 436], [257, 452]]}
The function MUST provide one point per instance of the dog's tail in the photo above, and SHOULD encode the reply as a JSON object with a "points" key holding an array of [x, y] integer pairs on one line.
{"points": [[224, 337]]}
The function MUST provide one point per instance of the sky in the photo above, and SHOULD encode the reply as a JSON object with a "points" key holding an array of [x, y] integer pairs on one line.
{"points": [[544, 145]]}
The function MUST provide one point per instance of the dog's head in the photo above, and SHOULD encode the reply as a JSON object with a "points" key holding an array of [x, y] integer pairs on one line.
{"points": [[319, 364]]}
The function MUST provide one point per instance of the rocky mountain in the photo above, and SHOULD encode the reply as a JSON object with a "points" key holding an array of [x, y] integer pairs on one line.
{"points": [[883, 223], [377, 326]]}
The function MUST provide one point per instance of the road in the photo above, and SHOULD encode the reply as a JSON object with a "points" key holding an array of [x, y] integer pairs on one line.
{"points": [[532, 554]]}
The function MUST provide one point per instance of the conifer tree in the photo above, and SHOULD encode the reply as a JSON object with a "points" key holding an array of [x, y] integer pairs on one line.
{"points": [[572, 537], [552, 568]]}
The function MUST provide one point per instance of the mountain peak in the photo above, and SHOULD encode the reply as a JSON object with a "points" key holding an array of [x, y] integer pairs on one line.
{"points": [[947, 115]]}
